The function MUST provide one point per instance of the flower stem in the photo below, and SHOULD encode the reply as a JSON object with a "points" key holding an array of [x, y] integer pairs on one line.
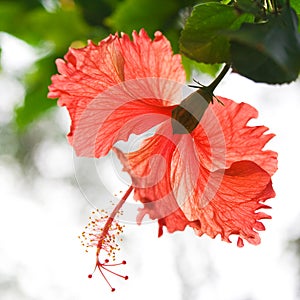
{"points": [[210, 88]]}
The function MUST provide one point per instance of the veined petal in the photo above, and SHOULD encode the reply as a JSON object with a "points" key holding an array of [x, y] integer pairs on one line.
{"points": [[224, 137], [145, 58], [178, 190], [239, 194], [118, 112], [150, 170], [116, 62]]}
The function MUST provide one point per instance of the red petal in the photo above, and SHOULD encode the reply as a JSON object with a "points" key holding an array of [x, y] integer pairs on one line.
{"points": [[150, 169], [114, 115], [233, 209], [178, 190], [240, 242], [86, 73], [223, 137]]}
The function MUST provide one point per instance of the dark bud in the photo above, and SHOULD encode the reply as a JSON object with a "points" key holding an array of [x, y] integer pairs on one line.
{"points": [[187, 115]]}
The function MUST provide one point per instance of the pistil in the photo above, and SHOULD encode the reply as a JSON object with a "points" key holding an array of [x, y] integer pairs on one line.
{"points": [[104, 238]]}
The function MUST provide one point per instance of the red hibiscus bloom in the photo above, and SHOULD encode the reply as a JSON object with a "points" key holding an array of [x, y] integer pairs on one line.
{"points": [[215, 179], [204, 167], [93, 78]]}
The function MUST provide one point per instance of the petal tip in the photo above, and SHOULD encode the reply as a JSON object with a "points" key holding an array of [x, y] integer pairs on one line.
{"points": [[240, 243]]}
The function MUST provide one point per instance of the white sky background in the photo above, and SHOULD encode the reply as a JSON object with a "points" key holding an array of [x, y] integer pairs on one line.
{"points": [[41, 257]]}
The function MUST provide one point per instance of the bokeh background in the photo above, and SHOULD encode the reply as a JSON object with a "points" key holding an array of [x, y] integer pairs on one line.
{"points": [[46, 192]]}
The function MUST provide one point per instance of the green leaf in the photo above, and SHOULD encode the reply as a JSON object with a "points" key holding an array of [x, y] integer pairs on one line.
{"points": [[207, 1], [191, 65], [225, 1], [295, 4], [250, 6], [268, 52], [201, 38]]}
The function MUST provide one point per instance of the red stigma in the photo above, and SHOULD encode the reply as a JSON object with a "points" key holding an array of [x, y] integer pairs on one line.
{"points": [[105, 267]]}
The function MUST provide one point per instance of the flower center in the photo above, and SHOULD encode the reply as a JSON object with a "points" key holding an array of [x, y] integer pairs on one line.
{"points": [[187, 115]]}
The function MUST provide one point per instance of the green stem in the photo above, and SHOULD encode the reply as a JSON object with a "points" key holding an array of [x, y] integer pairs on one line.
{"points": [[217, 80]]}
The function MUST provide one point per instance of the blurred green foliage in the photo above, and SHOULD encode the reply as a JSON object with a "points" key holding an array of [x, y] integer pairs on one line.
{"points": [[70, 21], [54, 25], [31, 22]]}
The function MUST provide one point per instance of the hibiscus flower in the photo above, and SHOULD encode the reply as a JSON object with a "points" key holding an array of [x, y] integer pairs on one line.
{"points": [[204, 167]]}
